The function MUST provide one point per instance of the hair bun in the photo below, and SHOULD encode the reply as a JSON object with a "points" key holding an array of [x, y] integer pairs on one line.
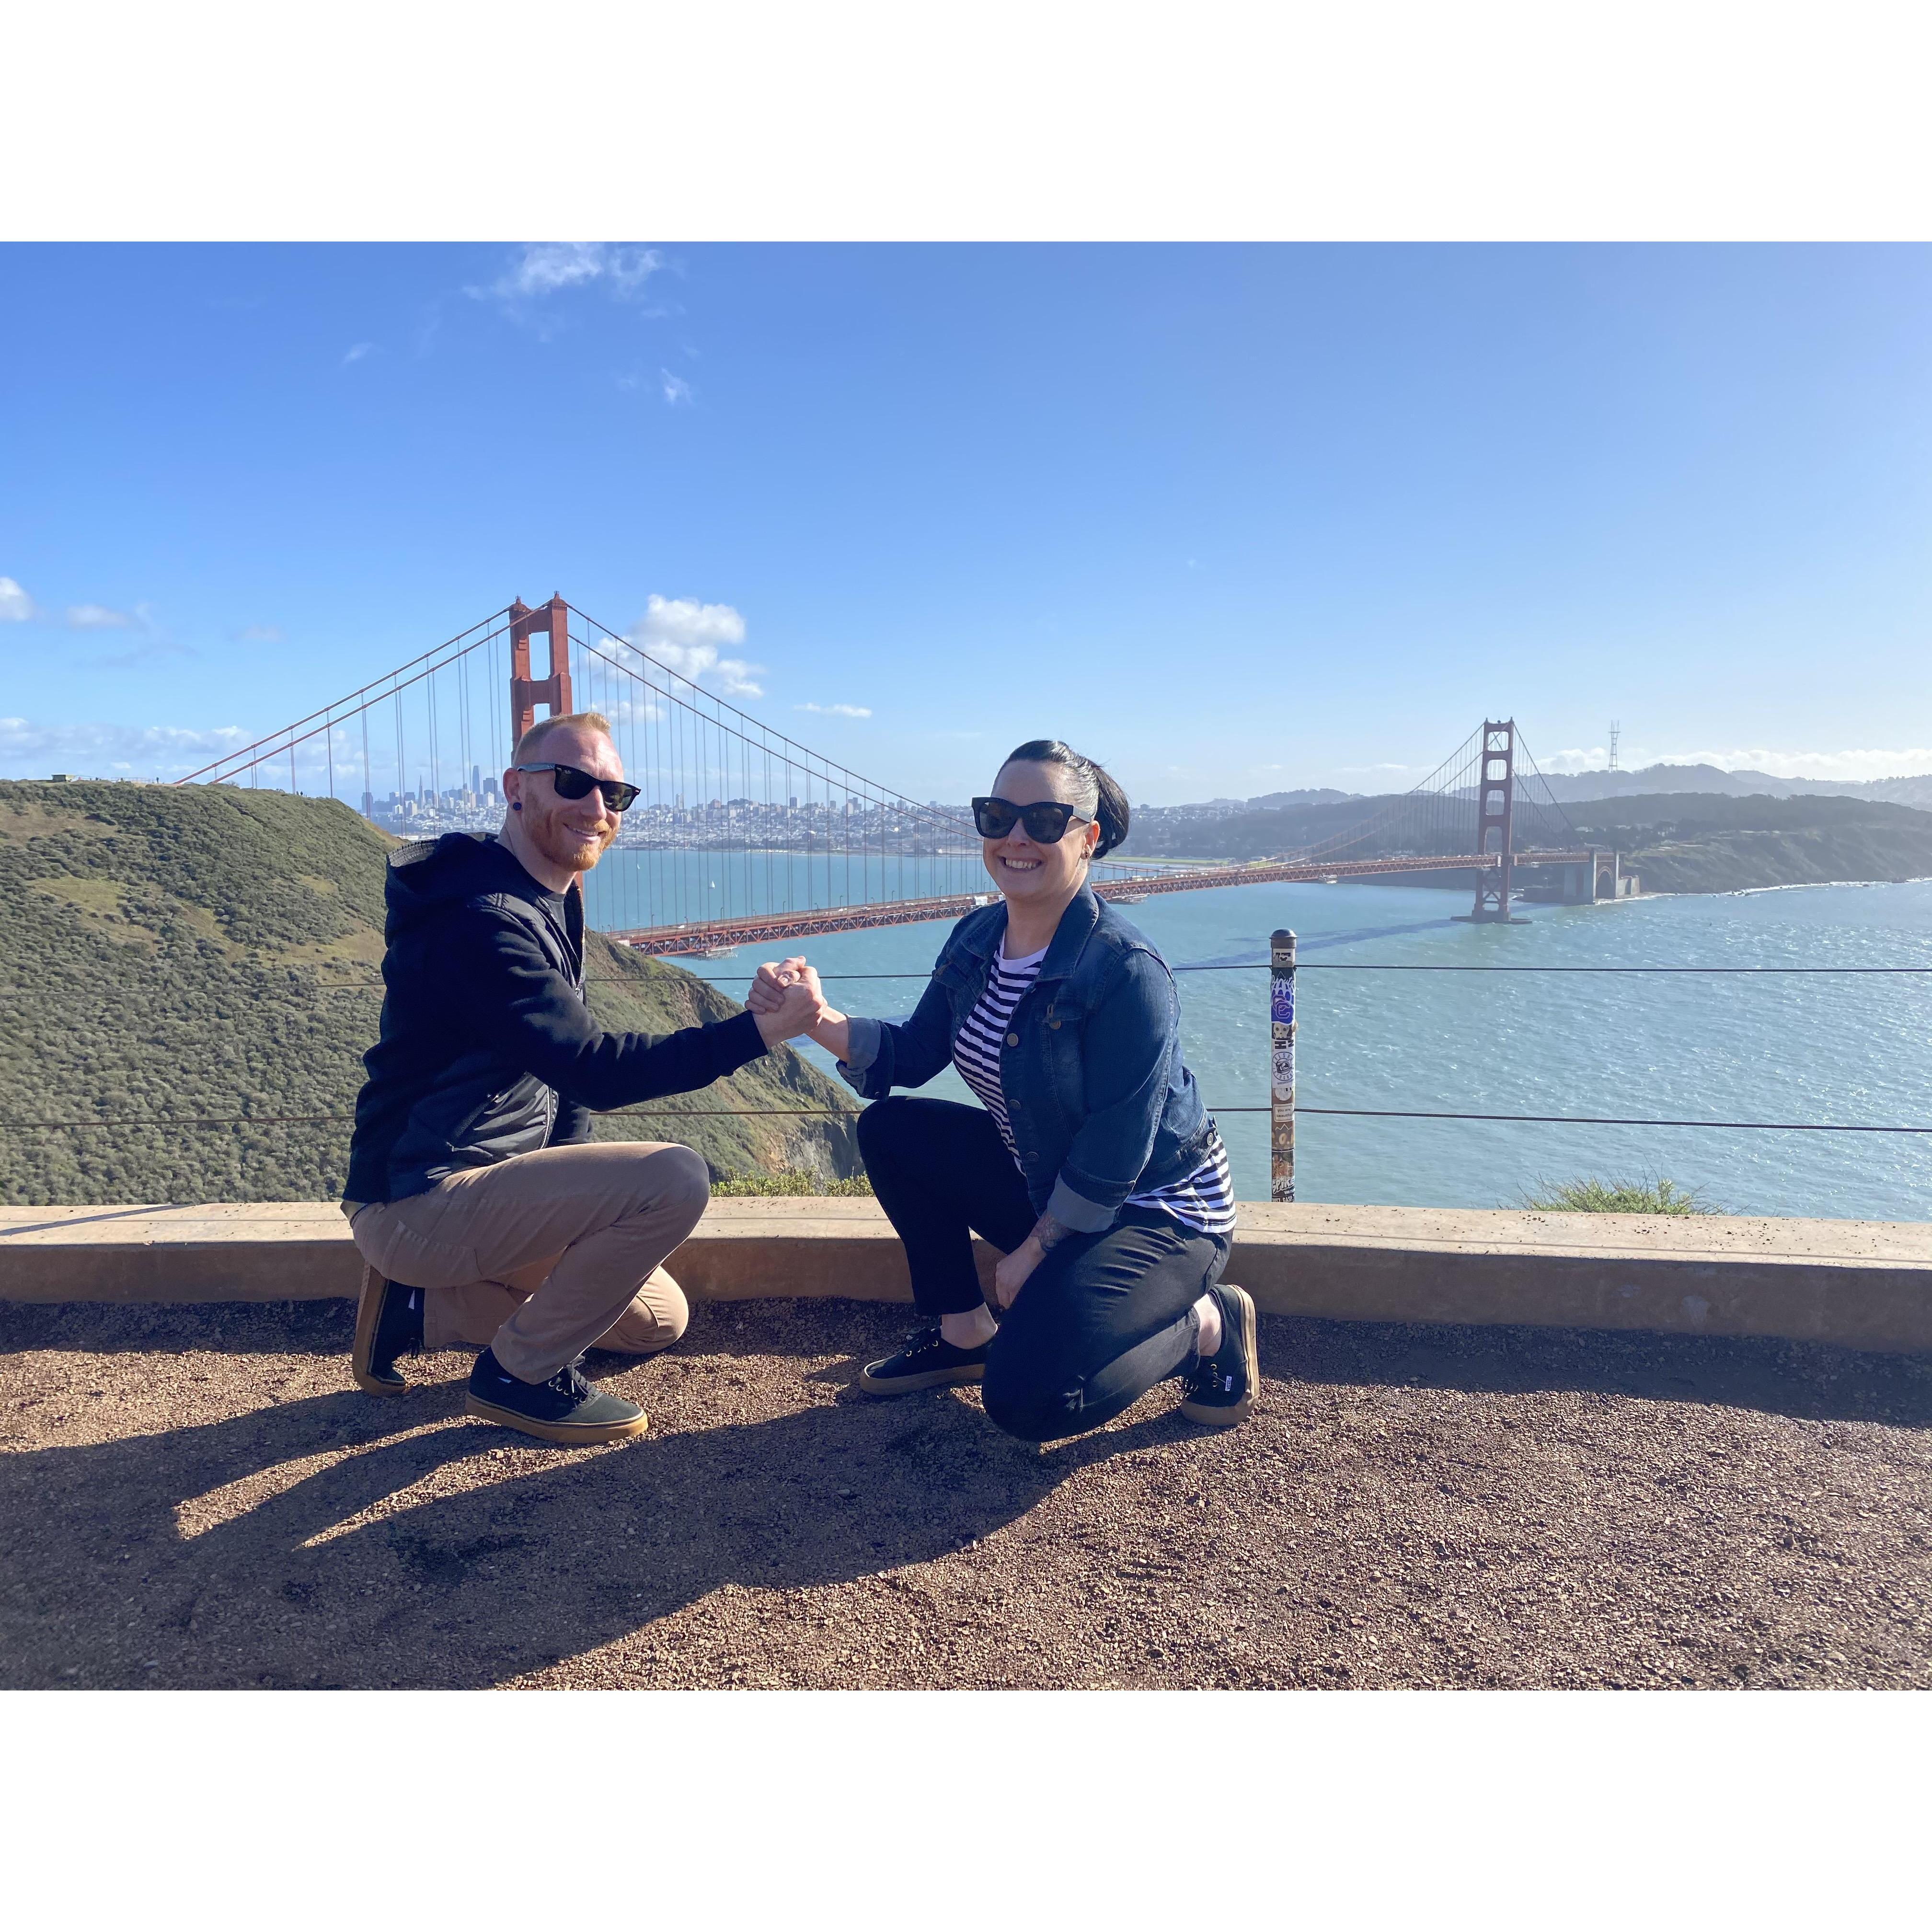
{"points": [[1108, 806]]}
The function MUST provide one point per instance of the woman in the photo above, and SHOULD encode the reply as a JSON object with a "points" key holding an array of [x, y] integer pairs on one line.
{"points": [[1091, 1163]]}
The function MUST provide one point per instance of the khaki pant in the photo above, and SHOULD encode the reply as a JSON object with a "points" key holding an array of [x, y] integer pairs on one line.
{"points": [[545, 1254]]}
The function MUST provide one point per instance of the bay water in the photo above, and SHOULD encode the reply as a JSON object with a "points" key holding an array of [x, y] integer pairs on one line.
{"points": [[1849, 1049]]}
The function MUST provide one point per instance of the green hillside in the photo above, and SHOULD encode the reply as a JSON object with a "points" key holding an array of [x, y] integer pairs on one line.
{"points": [[169, 955]]}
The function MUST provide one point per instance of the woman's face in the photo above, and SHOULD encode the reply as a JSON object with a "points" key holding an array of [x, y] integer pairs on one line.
{"points": [[1023, 871]]}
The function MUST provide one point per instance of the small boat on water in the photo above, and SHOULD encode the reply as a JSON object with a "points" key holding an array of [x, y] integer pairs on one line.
{"points": [[1126, 899]]}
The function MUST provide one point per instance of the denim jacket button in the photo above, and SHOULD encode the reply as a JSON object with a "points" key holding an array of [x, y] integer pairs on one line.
{"points": [[1012, 1039]]}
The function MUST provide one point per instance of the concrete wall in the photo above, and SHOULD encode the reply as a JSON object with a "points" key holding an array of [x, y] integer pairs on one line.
{"points": [[1864, 1284]]}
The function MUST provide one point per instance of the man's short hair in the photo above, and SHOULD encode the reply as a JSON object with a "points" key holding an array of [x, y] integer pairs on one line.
{"points": [[528, 744]]}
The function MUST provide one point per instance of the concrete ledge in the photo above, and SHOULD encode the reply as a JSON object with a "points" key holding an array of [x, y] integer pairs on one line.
{"points": [[1861, 1284]]}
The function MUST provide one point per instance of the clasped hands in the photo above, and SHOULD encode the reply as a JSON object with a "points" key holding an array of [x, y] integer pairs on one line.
{"points": [[789, 1001], [786, 1001]]}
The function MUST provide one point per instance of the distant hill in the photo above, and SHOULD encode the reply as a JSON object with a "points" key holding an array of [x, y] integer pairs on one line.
{"points": [[205, 951], [1275, 801], [1654, 780], [1680, 841], [1701, 842]]}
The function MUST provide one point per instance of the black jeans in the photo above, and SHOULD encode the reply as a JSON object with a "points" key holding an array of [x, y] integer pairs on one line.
{"points": [[1099, 1322]]}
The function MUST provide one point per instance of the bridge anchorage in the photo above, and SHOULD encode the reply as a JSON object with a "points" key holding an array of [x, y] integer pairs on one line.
{"points": [[743, 836]]}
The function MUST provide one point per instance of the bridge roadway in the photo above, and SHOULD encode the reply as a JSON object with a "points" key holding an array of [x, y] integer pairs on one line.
{"points": [[714, 936]]}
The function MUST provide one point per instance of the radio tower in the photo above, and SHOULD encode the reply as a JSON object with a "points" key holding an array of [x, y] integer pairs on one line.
{"points": [[1616, 730]]}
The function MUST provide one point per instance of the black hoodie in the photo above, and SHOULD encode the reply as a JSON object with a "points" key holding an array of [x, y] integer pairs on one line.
{"points": [[487, 1049]]}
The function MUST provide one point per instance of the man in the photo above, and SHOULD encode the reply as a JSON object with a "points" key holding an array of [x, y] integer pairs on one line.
{"points": [[486, 1216]]}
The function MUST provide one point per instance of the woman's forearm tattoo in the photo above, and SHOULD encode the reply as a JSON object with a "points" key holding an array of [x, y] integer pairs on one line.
{"points": [[1049, 1233]]}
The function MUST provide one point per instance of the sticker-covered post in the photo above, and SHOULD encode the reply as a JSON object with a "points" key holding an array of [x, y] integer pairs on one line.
{"points": [[1281, 1068]]}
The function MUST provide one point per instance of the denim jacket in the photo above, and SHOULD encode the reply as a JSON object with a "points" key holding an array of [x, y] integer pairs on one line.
{"points": [[1100, 1106]]}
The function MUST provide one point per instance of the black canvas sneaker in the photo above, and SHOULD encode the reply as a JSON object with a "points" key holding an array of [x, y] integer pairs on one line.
{"points": [[389, 1323], [928, 1361], [1220, 1389], [565, 1409]]}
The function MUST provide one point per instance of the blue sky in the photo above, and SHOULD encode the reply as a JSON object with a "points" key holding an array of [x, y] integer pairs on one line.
{"points": [[1232, 519]]}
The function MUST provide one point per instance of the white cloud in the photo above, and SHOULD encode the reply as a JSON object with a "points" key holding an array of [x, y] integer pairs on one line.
{"points": [[145, 750], [1843, 767], [16, 606], [836, 710], [357, 352], [259, 633], [547, 268], [632, 710], [685, 636], [98, 617], [676, 389]]}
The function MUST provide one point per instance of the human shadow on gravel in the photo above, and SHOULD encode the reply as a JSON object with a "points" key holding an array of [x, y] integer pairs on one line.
{"points": [[1808, 1380], [321, 1328], [281, 1548]]}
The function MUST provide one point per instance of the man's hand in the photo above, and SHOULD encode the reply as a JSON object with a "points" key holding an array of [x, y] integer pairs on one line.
{"points": [[768, 988], [799, 1006]]}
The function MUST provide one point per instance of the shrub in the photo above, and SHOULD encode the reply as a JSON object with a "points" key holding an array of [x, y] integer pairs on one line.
{"points": [[791, 1183], [1590, 1196]]}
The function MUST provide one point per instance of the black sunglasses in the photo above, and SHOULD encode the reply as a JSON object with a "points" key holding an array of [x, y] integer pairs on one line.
{"points": [[1045, 822], [571, 783]]}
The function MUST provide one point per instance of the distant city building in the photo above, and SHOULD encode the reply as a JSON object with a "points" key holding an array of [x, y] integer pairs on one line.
{"points": [[848, 823]]}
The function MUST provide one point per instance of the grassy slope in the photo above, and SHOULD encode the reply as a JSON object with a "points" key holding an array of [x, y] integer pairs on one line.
{"points": [[207, 951]]}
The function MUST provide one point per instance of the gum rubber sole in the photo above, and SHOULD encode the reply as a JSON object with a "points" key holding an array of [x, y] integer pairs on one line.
{"points": [[1226, 1415], [368, 1311], [972, 1372], [572, 1436]]}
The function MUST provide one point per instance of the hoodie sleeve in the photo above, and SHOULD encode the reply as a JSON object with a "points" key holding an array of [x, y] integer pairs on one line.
{"points": [[518, 1005]]}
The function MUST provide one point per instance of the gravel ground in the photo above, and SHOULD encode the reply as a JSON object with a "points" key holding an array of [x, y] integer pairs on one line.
{"points": [[199, 1497]]}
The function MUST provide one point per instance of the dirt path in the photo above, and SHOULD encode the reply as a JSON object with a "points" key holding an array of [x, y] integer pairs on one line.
{"points": [[199, 1497]]}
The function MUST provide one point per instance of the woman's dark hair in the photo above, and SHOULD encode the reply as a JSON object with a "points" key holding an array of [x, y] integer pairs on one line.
{"points": [[1102, 799]]}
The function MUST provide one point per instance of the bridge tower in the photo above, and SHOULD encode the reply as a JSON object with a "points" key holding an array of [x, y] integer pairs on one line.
{"points": [[1495, 808], [525, 691]]}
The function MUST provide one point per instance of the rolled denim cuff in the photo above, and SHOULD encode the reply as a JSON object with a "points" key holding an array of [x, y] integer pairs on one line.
{"points": [[862, 1045], [1076, 1211]]}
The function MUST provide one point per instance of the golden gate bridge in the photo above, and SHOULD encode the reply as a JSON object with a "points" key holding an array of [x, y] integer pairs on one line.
{"points": [[800, 843]]}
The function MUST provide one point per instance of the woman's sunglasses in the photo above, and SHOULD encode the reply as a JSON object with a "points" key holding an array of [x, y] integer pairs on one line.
{"points": [[1045, 822], [571, 783]]}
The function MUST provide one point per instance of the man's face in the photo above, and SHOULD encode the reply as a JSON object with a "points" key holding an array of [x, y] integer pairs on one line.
{"points": [[572, 832]]}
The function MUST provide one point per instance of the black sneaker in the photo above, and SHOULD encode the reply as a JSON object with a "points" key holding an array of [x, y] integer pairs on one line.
{"points": [[389, 1323], [1220, 1389], [566, 1409], [928, 1361]]}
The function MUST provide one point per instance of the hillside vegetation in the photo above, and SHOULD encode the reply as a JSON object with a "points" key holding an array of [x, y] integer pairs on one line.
{"points": [[171, 955]]}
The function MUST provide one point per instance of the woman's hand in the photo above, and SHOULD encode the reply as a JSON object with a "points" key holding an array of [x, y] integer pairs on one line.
{"points": [[1010, 1276]]}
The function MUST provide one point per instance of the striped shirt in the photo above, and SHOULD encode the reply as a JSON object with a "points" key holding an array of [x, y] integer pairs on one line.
{"points": [[1204, 1199]]}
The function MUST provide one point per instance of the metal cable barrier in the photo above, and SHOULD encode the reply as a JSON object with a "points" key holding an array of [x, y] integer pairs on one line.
{"points": [[1282, 967]]}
